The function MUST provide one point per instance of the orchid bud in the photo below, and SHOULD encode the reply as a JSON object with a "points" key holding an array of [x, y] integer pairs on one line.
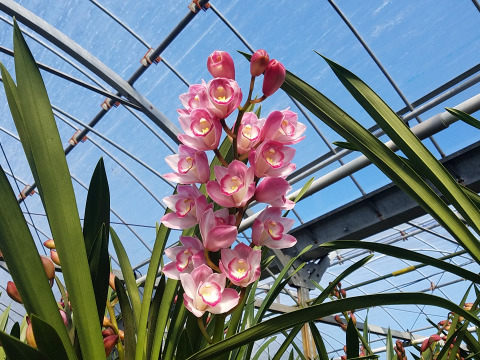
{"points": [[108, 332], [106, 322], [353, 319], [54, 257], [13, 292], [121, 334], [48, 267], [273, 78], [434, 338], [49, 244], [29, 336], [111, 281], [220, 64], [425, 345], [259, 62], [337, 319], [109, 343], [63, 314]]}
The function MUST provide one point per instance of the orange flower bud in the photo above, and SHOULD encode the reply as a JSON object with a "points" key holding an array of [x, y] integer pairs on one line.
{"points": [[29, 336], [49, 244], [111, 281], [106, 322], [354, 319], [13, 292], [121, 334], [49, 267], [54, 257]]}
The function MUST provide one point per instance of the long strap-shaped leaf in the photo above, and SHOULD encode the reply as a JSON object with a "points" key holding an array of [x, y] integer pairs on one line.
{"points": [[38, 133], [286, 321], [159, 246], [19, 249], [404, 254], [410, 145], [384, 158]]}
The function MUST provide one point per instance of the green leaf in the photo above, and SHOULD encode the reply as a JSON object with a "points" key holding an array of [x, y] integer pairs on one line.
{"points": [[158, 328], [177, 322], [153, 269], [467, 118], [47, 339], [49, 167], [95, 225], [352, 341], [16, 349], [128, 276], [389, 350], [19, 249], [384, 158], [128, 320], [15, 331], [317, 338], [302, 192], [154, 311], [286, 321], [345, 145], [403, 254], [4, 318], [411, 146], [262, 348]]}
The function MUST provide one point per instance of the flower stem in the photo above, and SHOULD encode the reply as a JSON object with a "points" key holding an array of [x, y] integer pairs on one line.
{"points": [[220, 157], [203, 331], [219, 328], [210, 262], [113, 319], [240, 116], [227, 129]]}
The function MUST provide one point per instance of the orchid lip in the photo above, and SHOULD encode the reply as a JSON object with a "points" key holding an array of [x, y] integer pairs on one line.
{"points": [[185, 164], [210, 293], [238, 269], [231, 185], [275, 229]]}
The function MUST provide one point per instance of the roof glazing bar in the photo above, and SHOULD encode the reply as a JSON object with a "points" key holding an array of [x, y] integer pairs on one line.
{"points": [[91, 62]]}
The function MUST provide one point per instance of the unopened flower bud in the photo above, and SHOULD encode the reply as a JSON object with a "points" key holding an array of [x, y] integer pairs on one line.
{"points": [[353, 319], [111, 281], [48, 267], [220, 64], [108, 332], [337, 319], [344, 293], [468, 306], [49, 244], [273, 78], [121, 334], [54, 257], [259, 62], [63, 314], [13, 292], [29, 336], [106, 322], [434, 338], [425, 345], [344, 327], [109, 343]]}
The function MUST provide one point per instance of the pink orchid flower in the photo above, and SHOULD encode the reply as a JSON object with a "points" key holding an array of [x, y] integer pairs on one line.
{"points": [[186, 257], [235, 185], [195, 98], [218, 229], [205, 291], [270, 229], [282, 126], [241, 264], [202, 130], [225, 96], [272, 191], [190, 166], [249, 132], [272, 159], [188, 205], [220, 64]]}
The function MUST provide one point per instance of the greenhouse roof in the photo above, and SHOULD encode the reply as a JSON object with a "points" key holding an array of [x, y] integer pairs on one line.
{"points": [[114, 72]]}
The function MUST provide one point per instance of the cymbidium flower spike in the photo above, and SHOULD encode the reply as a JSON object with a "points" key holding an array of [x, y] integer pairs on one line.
{"points": [[220, 64], [273, 78]]}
